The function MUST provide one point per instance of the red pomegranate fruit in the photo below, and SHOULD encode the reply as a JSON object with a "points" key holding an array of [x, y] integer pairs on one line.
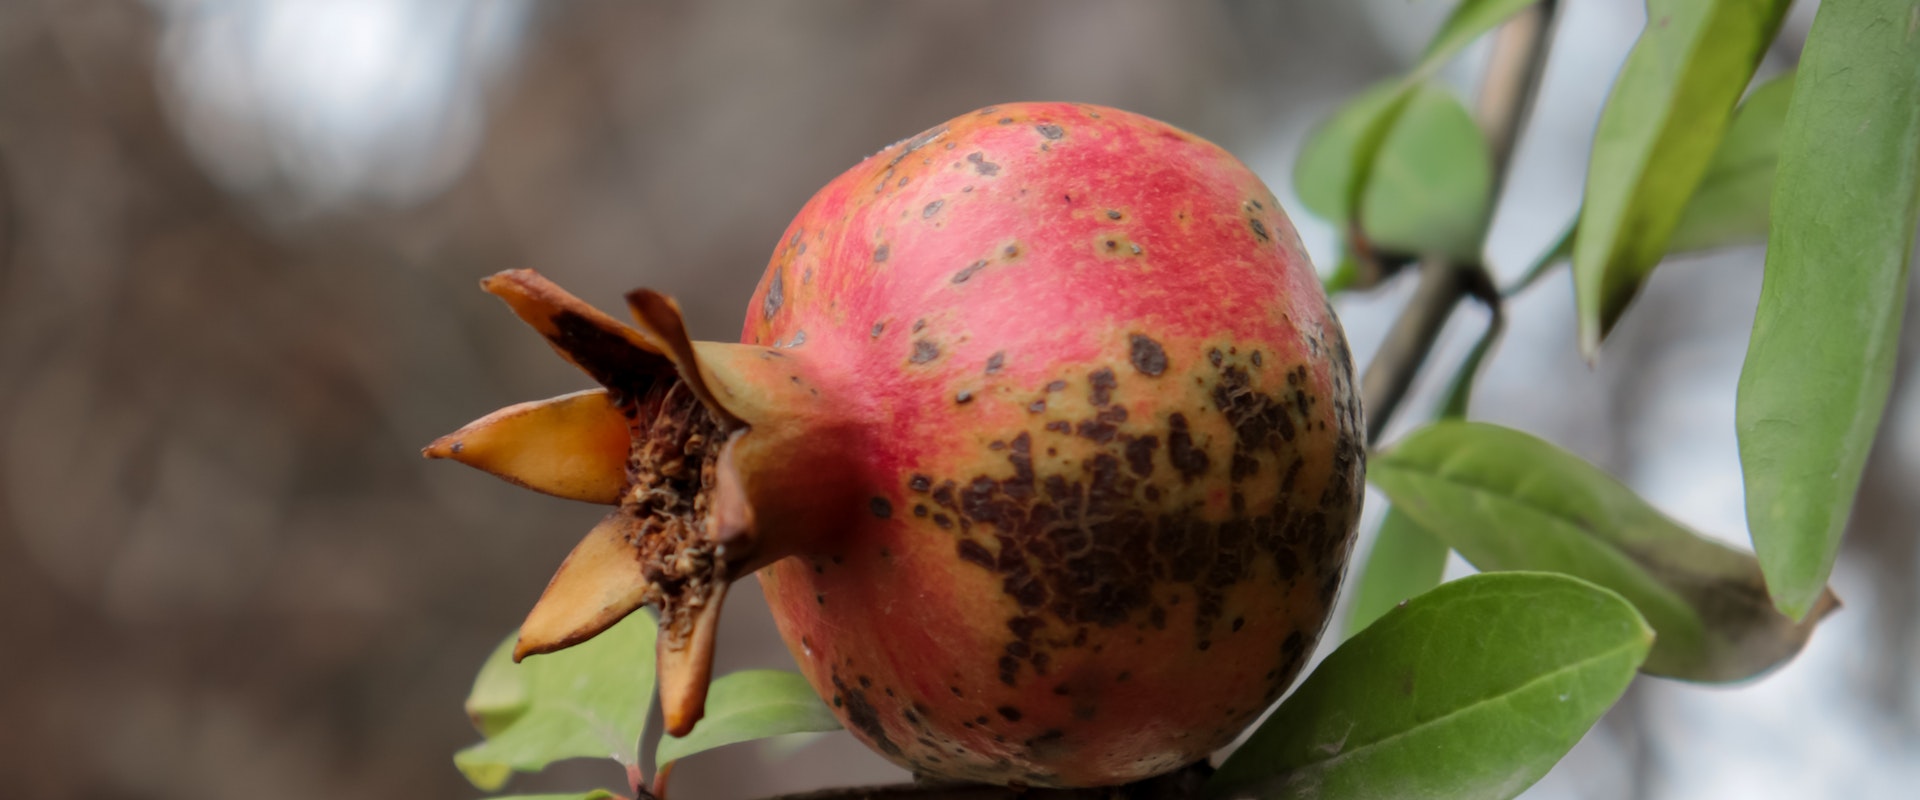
{"points": [[1040, 434]]}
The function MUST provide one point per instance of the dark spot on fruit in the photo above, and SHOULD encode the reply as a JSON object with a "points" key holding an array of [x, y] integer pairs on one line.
{"points": [[982, 165], [1037, 406], [996, 361], [1112, 245], [965, 396], [877, 328], [1006, 120], [820, 598], [775, 294], [1191, 462], [1255, 358], [919, 509], [881, 507], [1011, 251], [1205, 644], [881, 253], [862, 716], [1113, 214], [1140, 454], [1009, 713], [932, 209], [971, 550], [1054, 386], [919, 483], [919, 324], [1238, 623], [943, 520], [1147, 355], [1060, 426], [1053, 132], [924, 351], [1103, 383], [1259, 229], [963, 275]]}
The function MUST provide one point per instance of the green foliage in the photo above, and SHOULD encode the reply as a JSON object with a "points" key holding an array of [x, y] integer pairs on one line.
{"points": [[1405, 561], [499, 694], [1509, 501], [749, 705], [589, 700], [597, 794], [1730, 207], [1472, 690], [1664, 118], [1469, 21], [1824, 339]]}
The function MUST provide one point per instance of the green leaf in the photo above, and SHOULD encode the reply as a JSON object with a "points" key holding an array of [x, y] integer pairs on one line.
{"points": [[597, 794], [1730, 207], [589, 700], [1324, 172], [1428, 181], [1472, 690], [1404, 562], [1469, 20], [1509, 501], [1821, 359], [1431, 188], [1663, 119], [1405, 559], [499, 694], [754, 704]]}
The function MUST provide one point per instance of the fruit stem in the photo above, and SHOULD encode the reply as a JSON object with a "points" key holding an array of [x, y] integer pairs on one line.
{"points": [[1506, 100]]}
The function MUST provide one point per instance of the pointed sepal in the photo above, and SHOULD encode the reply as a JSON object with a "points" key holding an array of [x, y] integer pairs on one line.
{"points": [[573, 446], [600, 583], [685, 658]]}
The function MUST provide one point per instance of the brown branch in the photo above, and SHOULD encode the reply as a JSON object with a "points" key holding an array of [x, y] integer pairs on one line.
{"points": [[1506, 100]]}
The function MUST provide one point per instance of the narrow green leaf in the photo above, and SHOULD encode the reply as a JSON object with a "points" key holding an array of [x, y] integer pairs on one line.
{"points": [[1469, 20], [1472, 690], [754, 704], [589, 700], [1821, 360], [1509, 501], [1730, 207], [1663, 119], [499, 694], [1405, 561]]}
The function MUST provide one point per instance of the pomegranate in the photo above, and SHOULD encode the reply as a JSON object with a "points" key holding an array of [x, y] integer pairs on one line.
{"points": [[1041, 436]]}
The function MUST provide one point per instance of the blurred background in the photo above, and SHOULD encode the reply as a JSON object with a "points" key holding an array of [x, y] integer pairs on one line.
{"points": [[238, 251]]}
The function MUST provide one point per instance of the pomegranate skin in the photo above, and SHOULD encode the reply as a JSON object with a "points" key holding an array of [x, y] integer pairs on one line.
{"points": [[1105, 443]]}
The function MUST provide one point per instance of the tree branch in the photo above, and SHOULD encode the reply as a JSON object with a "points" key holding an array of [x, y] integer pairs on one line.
{"points": [[1506, 101]]}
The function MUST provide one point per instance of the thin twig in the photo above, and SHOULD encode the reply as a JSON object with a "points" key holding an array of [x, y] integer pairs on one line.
{"points": [[1506, 100]]}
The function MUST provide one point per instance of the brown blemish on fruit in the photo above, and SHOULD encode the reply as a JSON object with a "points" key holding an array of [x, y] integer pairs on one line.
{"points": [[1189, 461], [965, 396], [924, 351], [932, 209], [862, 715], [881, 253], [1147, 355], [996, 361], [963, 275], [1009, 713], [982, 165], [878, 327], [1113, 213], [1052, 132], [1259, 229], [881, 507], [775, 294], [1103, 383], [919, 324]]}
